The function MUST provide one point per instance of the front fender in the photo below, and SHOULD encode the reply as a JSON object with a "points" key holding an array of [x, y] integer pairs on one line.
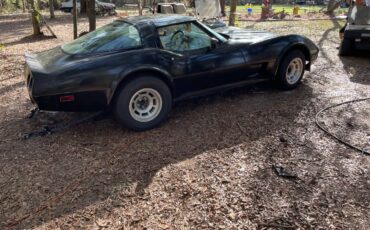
{"points": [[304, 44]]}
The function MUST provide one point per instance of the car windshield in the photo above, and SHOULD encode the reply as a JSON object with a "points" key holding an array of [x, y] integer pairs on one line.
{"points": [[217, 35], [114, 36]]}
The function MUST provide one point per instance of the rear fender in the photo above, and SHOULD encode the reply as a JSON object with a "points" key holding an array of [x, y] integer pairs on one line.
{"points": [[127, 76]]}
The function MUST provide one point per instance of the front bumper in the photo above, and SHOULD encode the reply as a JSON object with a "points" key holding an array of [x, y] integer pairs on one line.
{"points": [[314, 56]]}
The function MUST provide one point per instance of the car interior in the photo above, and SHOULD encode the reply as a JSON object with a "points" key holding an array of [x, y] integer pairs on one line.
{"points": [[184, 37]]}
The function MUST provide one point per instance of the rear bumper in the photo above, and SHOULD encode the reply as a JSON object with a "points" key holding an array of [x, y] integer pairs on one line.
{"points": [[47, 95], [359, 41], [83, 102]]}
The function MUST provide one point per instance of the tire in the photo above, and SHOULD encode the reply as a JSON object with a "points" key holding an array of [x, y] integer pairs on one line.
{"points": [[143, 104], [345, 48], [295, 63]]}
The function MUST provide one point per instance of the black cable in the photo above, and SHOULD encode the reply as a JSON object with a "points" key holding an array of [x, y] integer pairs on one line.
{"points": [[333, 135], [47, 130]]}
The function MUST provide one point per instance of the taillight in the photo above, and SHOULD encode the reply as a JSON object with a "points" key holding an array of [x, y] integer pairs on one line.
{"points": [[66, 98]]}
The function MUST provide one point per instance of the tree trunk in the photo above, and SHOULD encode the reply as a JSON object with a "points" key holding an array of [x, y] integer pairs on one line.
{"points": [[140, 6], [222, 3], [233, 4], [51, 7], [91, 14], [155, 6], [83, 5], [24, 6], [74, 11], [35, 18], [151, 3], [332, 5]]}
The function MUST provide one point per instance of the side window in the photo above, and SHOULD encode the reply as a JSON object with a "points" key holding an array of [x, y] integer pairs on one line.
{"points": [[114, 36], [183, 37]]}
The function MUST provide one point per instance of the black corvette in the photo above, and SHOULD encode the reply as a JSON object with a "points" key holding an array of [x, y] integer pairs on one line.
{"points": [[139, 66]]}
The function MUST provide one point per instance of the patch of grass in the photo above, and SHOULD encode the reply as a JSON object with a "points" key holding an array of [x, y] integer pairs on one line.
{"points": [[306, 28]]}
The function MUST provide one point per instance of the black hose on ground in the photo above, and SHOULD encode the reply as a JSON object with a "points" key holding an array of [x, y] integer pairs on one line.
{"points": [[364, 151], [47, 130]]}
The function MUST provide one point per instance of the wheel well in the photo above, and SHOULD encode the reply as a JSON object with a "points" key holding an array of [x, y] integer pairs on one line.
{"points": [[133, 75], [304, 50], [300, 47]]}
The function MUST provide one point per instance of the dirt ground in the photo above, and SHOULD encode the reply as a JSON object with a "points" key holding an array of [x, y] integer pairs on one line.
{"points": [[208, 167]]}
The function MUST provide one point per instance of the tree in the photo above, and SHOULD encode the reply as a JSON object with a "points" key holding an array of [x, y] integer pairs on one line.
{"points": [[140, 6], [36, 18], [233, 4], [74, 11], [24, 3], [332, 5], [51, 7], [91, 14], [223, 4], [83, 5]]}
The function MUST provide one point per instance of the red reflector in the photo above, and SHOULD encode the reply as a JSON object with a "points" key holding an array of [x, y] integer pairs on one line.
{"points": [[67, 98]]}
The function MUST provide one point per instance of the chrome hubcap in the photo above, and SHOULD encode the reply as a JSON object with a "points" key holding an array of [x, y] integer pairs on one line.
{"points": [[145, 105], [294, 71]]}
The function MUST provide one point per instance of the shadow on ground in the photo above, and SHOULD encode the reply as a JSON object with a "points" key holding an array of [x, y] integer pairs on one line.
{"points": [[357, 67], [8, 88], [105, 164], [29, 39]]}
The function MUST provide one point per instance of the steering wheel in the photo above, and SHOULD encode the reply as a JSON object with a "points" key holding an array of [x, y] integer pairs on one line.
{"points": [[180, 35], [176, 34]]}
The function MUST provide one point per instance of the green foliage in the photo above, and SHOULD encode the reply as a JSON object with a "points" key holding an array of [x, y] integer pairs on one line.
{"points": [[8, 6], [38, 16]]}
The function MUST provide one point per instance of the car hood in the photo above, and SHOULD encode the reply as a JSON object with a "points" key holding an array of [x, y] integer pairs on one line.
{"points": [[238, 35]]}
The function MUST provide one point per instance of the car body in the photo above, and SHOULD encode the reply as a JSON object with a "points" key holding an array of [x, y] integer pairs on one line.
{"points": [[67, 6], [356, 33], [299, 2], [69, 78]]}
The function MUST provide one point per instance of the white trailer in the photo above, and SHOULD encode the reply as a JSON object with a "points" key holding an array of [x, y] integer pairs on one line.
{"points": [[207, 9]]}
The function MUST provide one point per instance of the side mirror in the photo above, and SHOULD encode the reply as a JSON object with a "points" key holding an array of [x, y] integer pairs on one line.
{"points": [[214, 43]]}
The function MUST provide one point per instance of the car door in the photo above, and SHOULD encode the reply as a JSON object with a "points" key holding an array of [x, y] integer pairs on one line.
{"points": [[197, 62]]}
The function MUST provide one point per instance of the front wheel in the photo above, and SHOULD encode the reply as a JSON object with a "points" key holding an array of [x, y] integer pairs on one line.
{"points": [[291, 70], [143, 103]]}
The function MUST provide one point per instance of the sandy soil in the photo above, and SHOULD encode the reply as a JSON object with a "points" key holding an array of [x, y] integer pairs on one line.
{"points": [[208, 167]]}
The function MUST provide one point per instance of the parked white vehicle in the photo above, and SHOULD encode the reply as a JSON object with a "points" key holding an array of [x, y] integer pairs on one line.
{"points": [[100, 7], [67, 6]]}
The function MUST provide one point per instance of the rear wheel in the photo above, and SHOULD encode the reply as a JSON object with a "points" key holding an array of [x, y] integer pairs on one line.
{"points": [[291, 70], [345, 48], [143, 103]]}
